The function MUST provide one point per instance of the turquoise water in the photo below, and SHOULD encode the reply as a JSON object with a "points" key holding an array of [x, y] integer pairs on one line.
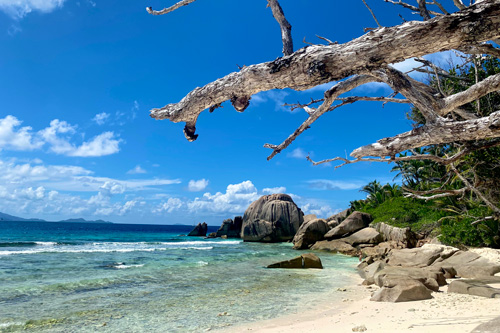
{"points": [[67, 277]]}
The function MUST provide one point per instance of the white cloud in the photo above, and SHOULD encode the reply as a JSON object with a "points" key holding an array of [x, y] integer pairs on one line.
{"points": [[321, 211], [101, 118], [127, 207], [169, 206], [112, 187], [37, 190], [57, 136], [334, 185], [197, 185], [101, 145], [14, 138], [372, 88], [136, 170], [271, 190], [17, 9], [235, 200], [275, 96], [297, 153]]}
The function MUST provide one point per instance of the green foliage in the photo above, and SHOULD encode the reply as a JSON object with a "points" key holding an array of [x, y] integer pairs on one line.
{"points": [[460, 231], [404, 212]]}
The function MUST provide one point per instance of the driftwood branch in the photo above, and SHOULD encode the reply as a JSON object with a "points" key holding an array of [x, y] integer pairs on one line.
{"points": [[475, 190], [467, 149], [373, 14], [169, 9], [315, 65], [329, 97], [286, 27], [441, 131], [426, 195], [422, 8], [482, 88]]}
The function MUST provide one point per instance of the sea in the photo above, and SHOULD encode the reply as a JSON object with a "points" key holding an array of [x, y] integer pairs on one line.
{"points": [[87, 277]]}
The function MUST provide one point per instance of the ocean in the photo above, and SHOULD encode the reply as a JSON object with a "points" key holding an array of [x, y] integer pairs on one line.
{"points": [[83, 277]]}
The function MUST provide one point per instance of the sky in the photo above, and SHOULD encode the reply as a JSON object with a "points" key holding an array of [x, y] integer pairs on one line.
{"points": [[78, 78]]}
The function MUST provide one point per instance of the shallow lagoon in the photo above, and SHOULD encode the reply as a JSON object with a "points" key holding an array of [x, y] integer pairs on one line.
{"points": [[60, 277]]}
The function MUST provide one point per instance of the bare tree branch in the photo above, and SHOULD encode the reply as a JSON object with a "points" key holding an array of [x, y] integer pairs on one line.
{"points": [[329, 97], [411, 7], [442, 131], [483, 49], [373, 14], [423, 195], [459, 4], [482, 88], [286, 28], [169, 9], [315, 65], [422, 8], [475, 190], [440, 6], [469, 148]]}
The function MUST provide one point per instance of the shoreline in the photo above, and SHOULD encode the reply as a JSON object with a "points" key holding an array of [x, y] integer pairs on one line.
{"points": [[354, 312]]}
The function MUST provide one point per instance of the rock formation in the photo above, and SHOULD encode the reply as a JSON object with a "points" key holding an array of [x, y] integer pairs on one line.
{"points": [[271, 218], [199, 230], [230, 228], [306, 260], [309, 233], [354, 222], [336, 219], [485, 287], [403, 236]]}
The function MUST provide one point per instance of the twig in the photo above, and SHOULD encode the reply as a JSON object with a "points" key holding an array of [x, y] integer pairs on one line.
{"points": [[169, 9], [286, 27], [373, 14]]}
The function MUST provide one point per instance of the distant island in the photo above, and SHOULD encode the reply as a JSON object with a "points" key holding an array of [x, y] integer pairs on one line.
{"points": [[11, 218]]}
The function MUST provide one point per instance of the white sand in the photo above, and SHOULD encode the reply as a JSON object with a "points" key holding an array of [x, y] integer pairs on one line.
{"points": [[444, 313]]}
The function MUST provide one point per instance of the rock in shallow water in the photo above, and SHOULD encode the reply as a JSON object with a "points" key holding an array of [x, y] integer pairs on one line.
{"points": [[307, 260], [200, 230]]}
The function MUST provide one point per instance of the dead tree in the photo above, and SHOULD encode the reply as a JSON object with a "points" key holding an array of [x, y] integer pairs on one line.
{"points": [[363, 60]]}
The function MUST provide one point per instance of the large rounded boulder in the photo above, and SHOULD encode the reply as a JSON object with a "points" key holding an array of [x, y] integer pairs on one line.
{"points": [[271, 218], [309, 233]]}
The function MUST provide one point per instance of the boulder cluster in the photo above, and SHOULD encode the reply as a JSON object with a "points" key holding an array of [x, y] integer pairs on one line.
{"points": [[271, 218], [412, 274], [395, 259]]}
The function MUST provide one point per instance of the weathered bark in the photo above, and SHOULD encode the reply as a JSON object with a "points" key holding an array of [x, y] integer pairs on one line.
{"points": [[169, 9], [441, 131], [315, 65], [286, 28]]}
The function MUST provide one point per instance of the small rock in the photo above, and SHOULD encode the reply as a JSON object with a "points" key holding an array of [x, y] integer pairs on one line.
{"points": [[360, 328]]}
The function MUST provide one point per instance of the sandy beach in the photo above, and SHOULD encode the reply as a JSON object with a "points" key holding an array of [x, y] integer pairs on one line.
{"points": [[445, 312]]}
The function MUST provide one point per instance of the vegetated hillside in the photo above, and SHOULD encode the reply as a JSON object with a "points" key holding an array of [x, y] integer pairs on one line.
{"points": [[7, 217]]}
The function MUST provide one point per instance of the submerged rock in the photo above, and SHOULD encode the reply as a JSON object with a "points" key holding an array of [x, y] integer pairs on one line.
{"points": [[307, 260], [271, 218], [200, 230]]}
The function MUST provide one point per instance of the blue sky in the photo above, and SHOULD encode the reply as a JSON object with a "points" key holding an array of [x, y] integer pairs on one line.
{"points": [[78, 79]]}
